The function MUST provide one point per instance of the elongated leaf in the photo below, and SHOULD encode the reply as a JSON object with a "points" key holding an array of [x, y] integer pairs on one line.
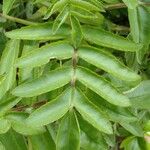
{"points": [[91, 113], [133, 128], [4, 125], [76, 31], [144, 16], [140, 28], [8, 58], [14, 141], [27, 72], [92, 140], [41, 31], [56, 7], [61, 18], [9, 55], [101, 87], [40, 56], [6, 106], [68, 134], [42, 142], [107, 62], [90, 144], [98, 4], [85, 5], [51, 111], [140, 95], [17, 120], [51, 81], [82, 12], [131, 3], [133, 143], [7, 5], [134, 24], [115, 113], [107, 39]]}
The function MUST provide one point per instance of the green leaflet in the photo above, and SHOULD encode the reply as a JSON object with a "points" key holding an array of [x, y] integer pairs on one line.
{"points": [[90, 144], [97, 3], [140, 95], [101, 87], [133, 143], [40, 56], [94, 136], [42, 142], [114, 113], [82, 11], [131, 3], [134, 24], [8, 58], [140, 28], [9, 55], [17, 120], [41, 31], [56, 7], [7, 5], [27, 72], [68, 136], [107, 39], [7, 105], [107, 62], [12, 140], [91, 113], [51, 81], [51, 111], [85, 5], [76, 31], [134, 128], [4, 125], [61, 18], [144, 24]]}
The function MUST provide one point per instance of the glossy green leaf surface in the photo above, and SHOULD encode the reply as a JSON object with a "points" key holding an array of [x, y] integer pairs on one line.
{"points": [[68, 136], [91, 113], [74, 75], [51, 111], [102, 87], [107, 62], [85, 5], [7, 5], [7, 68], [140, 96], [76, 31], [42, 55], [134, 128], [131, 4], [6, 106], [17, 120], [55, 79], [61, 18], [4, 125], [56, 7], [13, 140], [39, 32], [107, 39], [42, 142]]}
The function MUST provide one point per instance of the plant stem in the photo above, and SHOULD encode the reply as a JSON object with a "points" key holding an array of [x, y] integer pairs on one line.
{"points": [[115, 6], [122, 5], [18, 20]]}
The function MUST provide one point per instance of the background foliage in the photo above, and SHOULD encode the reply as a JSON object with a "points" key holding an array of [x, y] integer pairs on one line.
{"points": [[74, 74]]}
